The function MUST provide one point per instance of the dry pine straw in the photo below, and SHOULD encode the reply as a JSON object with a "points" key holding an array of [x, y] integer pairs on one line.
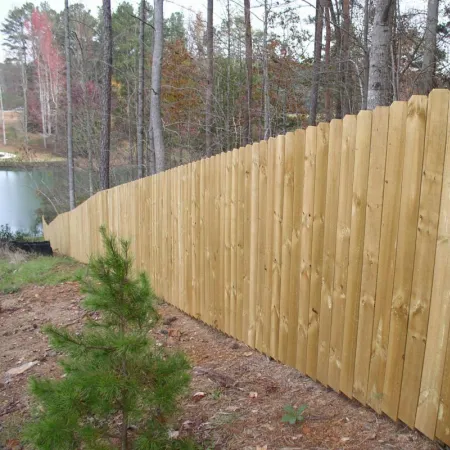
{"points": [[245, 391]]}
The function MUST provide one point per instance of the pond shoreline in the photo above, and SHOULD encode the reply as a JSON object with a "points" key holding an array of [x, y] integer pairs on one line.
{"points": [[10, 164]]}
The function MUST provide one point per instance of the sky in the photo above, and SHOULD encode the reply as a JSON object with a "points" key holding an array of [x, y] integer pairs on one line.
{"points": [[188, 7]]}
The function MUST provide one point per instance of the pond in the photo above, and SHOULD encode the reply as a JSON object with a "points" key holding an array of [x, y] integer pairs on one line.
{"points": [[19, 198], [27, 194]]}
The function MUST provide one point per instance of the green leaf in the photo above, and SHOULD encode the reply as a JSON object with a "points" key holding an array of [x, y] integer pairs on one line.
{"points": [[289, 409]]}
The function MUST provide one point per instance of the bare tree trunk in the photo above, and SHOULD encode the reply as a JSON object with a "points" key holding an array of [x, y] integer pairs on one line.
{"points": [[429, 52], [266, 87], [210, 76], [25, 94], [90, 158], [156, 119], [228, 112], [249, 64], [327, 63], [366, 56], [140, 107], [69, 108], [317, 61], [3, 117], [105, 134], [380, 86], [345, 55]]}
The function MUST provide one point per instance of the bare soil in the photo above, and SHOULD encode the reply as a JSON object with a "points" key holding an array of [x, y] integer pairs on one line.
{"points": [[240, 393]]}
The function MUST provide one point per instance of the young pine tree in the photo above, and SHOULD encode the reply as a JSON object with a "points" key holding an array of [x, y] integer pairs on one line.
{"points": [[119, 388]]}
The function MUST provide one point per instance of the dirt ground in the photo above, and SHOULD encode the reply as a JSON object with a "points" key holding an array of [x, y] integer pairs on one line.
{"points": [[244, 392]]}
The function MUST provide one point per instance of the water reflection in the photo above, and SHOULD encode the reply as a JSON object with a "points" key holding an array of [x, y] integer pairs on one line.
{"points": [[26, 194]]}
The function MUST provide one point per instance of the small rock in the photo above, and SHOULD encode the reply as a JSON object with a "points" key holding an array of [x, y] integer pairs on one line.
{"points": [[163, 331], [253, 394], [21, 369], [235, 346], [247, 354]]}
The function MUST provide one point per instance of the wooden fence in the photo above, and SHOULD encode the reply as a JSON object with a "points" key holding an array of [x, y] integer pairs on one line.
{"points": [[327, 249]]}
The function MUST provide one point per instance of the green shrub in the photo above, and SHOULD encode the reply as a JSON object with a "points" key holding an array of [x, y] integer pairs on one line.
{"points": [[119, 388]]}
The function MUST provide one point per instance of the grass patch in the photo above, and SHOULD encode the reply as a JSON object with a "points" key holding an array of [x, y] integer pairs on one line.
{"points": [[41, 271]]}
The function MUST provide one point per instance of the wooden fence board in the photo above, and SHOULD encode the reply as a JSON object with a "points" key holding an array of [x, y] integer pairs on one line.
{"points": [[294, 278], [320, 189], [360, 184], [329, 249], [443, 422], [344, 217], [286, 249], [262, 200], [306, 246], [222, 245], [375, 190], [277, 244], [268, 247], [253, 249], [247, 239], [233, 242], [227, 260], [241, 324]]}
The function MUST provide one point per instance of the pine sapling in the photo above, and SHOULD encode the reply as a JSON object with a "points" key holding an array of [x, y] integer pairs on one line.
{"points": [[119, 388]]}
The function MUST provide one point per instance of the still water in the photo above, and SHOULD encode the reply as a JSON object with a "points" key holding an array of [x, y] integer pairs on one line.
{"points": [[19, 198], [21, 203]]}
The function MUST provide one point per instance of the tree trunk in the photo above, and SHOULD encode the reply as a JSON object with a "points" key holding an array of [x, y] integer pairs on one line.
{"points": [[366, 56], [140, 107], [380, 87], [327, 63], [345, 55], [429, 52], [317, 61], [69, 108], [3, 117], [105, 133], [156, 119], [249, 64], [227, 101], [25, 94], [210, 76], [266, 87]]}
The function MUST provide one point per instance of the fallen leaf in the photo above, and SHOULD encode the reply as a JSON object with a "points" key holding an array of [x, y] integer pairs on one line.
{"points": [[198, 396], [306, 430], [173, 332], [13, 444], [253, 394], [248, 354]]}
